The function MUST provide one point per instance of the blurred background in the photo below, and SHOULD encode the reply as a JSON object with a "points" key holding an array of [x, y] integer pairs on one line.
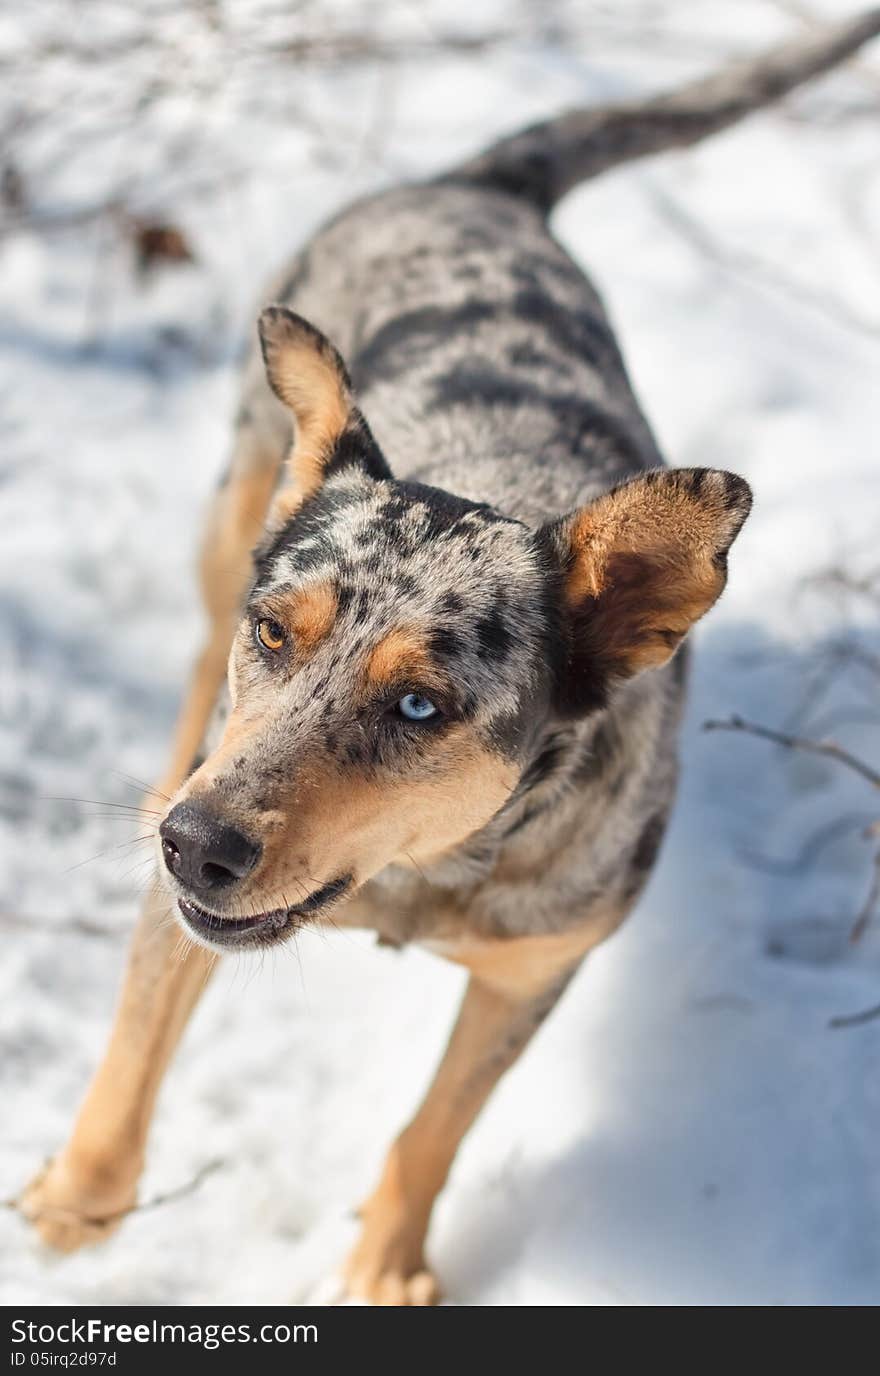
{"points": [[692, 1126]]}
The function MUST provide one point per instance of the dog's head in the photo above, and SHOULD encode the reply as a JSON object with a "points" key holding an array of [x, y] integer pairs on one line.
{"points": [[401, 650]]}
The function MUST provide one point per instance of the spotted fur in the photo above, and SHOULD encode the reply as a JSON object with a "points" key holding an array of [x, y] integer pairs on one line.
{"points": [[470, 507], [500, 537]]}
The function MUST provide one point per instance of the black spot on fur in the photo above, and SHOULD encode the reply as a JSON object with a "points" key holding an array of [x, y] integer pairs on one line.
{"points": [[357, 446], [394, 508], [528, 816], [309, 526], [532, 176], [445, 644], [405, 585], [737, 494], [505, 733], [548, 760], [442, 511], [472, 236], [579, 334], [526, 355], [494, 640], [648, 844], [410, 334], [469, 383], [404, 542], [451, 604], [600, 755], [582, 423], [698, 480]]}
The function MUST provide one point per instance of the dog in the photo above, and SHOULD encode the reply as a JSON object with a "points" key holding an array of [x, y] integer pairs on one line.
{"points": [[440, 698]]}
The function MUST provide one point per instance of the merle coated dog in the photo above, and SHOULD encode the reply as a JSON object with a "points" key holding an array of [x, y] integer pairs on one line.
{"points": [[455, 664]]}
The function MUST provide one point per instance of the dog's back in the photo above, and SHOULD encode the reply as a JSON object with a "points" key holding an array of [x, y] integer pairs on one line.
{"points": [[480, 352]]}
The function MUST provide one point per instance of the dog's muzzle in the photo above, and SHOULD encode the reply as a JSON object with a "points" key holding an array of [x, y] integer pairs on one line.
{"points": [[261, 929]]}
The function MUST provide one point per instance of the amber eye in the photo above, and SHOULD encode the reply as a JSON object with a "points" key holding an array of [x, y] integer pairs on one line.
{"points": [[270, 635]]}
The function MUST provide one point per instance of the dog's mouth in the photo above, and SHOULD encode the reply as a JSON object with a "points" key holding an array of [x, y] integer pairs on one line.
{"points": [[261, 929]]}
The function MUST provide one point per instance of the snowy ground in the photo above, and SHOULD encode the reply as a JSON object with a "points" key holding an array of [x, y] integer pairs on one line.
{"points": [[686, 1129]]}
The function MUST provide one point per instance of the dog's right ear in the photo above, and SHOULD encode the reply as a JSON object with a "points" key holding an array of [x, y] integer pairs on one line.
{"points": [[637, 567], [307, 374]]}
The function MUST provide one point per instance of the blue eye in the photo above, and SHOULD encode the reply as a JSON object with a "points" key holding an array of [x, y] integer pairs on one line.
{"points": [[416, 708]]}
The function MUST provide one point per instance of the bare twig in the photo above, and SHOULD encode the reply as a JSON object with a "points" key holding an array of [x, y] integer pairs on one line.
{"points": [[868, 908], [846, 716], [838, 654], [158, 1200], [178, 1192], [830, 749], [755, 270], [855, 1019], [810, 850], [866, 586]]}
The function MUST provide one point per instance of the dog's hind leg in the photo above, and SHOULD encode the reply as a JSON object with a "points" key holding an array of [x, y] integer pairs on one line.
{"points": [[93, 1181], [514, 984]]}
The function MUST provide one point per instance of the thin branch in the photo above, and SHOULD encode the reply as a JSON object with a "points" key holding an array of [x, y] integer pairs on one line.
{"points": [[755, 270], [855, 1019], [830, 749], [868, 908], [866, 586], [158, 1200], [178, 1192], [811, 849], [846, 716]]}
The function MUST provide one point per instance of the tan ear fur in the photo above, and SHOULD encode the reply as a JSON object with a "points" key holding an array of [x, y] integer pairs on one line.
{"points": [[307, 374], [644, 562]]}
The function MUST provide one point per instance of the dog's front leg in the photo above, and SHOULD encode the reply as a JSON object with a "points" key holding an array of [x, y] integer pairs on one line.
{"points": [[93, 1181], [89, 1186], [510, 992]]}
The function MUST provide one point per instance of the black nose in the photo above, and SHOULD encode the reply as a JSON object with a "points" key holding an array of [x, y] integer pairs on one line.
{"points": [[203, 852]]}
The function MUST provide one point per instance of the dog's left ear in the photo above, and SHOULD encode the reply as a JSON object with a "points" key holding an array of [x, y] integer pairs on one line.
{"points": [[308, 375], [638, 567]]}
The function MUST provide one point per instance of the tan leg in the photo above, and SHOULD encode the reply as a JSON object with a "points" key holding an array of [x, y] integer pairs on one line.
{"points": [[513, 986], [234, 527], [93, 1181]]}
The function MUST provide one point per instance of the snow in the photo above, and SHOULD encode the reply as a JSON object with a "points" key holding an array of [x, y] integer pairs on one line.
{"points": [[686, 1129]]}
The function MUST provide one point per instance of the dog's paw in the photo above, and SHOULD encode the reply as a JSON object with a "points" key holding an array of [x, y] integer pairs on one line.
{"points": [[72, 1209], [392, 1287], [387, 1266]]}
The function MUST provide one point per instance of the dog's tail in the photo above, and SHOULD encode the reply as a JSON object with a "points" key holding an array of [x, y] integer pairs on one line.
{"points": [[546, 160]]}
